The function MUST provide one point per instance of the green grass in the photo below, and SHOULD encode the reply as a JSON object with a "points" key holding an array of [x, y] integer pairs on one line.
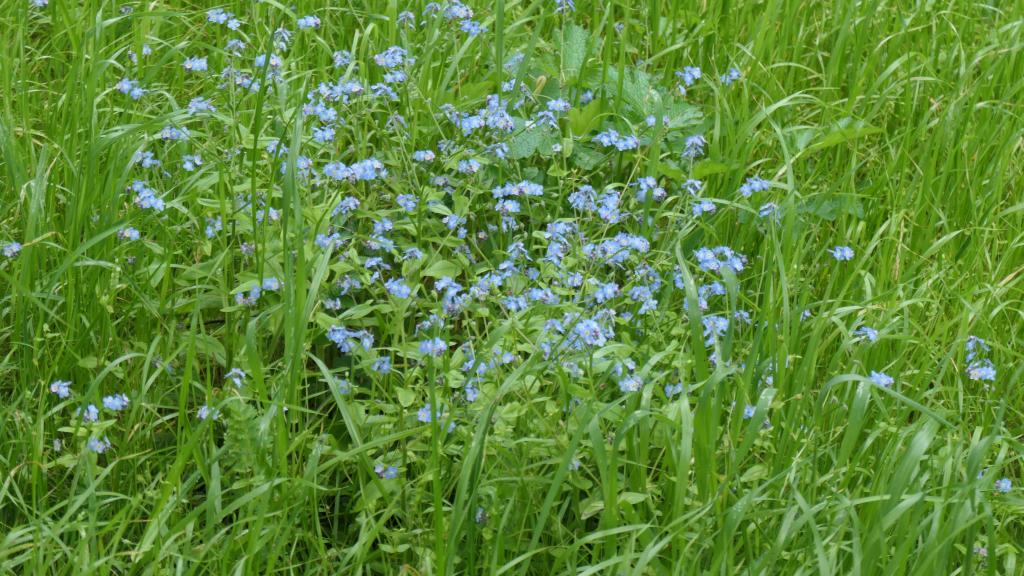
{"points": [[891, 127]]}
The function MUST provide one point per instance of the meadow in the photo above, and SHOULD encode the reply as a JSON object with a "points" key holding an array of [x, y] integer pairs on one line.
{"points": [[512, 287]]}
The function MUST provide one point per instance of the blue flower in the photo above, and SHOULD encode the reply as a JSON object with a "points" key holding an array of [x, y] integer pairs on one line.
{"points": [[433, 347], [174, 134], [423, 156], [471, 27], [131, 88], [689, 75], [195, 64], [11, 249], [273, 60], [693, 146], [308, 22], [218, 16], [98, 445], [1003, 485], [62, 388], [341, 58], [631, 383], [236, 376], [981, 370], [393, 57], [471, 166], [868, 333], [714, 327], [116, 403], [90, 414], [398, 288], [207, 412], [881, 379], [407, 18], [190, 162], [458, 11], [408, 202], [702, 207], [234, 46], [382, 365], [213, 226], [767, 210], [146, 159], [719, 258], [975, 347], [426, 414], [626, 143], [612, 138], [559, 105], [842, 253], [753, 184], [732, 75], [129, 234], [323, 134], [145, 197], [345, 338], [648, 189], [588, 332], [606, 292], [386, 472]]}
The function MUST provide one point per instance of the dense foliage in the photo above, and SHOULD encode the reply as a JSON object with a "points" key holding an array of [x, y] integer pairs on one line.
{"points": [[512, 287]]}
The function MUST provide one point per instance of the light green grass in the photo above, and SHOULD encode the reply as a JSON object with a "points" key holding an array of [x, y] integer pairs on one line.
{"points": [[894, 127]]}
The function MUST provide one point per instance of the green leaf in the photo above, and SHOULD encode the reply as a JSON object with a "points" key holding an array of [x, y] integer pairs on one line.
{"points": [[844, 132], [583, 120], [671, 170], [708, 168], [632, 497], [406, 397], [682, 115], [362, 310], [586, 157], [830, 207], [524, 143], [442, 268], [636, 87], [574, 51]]}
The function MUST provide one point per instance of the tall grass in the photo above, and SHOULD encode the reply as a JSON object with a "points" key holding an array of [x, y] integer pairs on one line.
{"points": [[891, 127]]}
